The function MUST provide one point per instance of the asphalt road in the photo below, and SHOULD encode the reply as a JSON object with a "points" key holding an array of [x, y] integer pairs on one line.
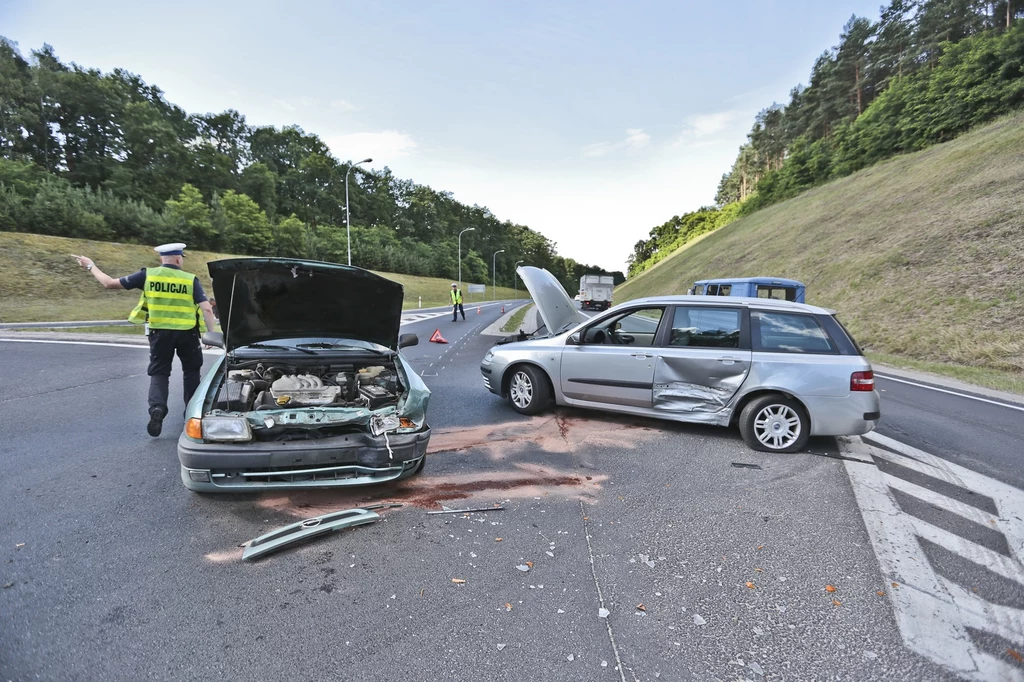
{"points": [[112, 570]]}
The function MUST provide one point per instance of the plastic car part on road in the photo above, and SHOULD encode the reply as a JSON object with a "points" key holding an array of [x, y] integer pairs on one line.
{"points": [[311, 528]]}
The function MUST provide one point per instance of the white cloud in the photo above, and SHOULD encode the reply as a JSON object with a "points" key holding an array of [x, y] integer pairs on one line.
{"points": [[342, 105], [635, 140], [382, 146], [701, 127], [284, 104]]}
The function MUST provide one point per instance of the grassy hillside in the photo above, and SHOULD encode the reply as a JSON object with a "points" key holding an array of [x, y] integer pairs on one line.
{"points": [[41, 281], [922, 255]]}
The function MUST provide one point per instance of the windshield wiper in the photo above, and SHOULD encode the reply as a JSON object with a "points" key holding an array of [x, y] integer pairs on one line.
{"points": [[264, 346], [331, 346]]}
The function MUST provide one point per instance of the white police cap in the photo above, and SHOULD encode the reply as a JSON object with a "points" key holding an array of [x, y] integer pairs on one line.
{"points": [[175, 249]]}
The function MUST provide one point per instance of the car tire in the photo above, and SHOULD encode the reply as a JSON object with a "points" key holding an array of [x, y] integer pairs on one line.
{"points": [[529, 391], [775, 423]]}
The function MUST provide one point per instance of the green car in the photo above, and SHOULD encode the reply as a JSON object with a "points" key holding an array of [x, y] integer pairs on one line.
{"points": [[311, 391]]}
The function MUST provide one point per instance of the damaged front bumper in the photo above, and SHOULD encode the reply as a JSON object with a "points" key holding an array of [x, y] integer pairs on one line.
{"points": [[338, 461]]}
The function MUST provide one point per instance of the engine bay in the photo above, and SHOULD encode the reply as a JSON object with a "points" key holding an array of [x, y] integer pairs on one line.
{"points": [[256, 386]]}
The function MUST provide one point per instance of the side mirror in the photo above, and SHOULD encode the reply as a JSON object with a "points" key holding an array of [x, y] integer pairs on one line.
{"points": [[406, 340], [215, 339], [574, 339]]}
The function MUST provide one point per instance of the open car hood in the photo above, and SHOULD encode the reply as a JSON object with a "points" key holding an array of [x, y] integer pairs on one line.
{"points": [[281, 298], [558, 311]]}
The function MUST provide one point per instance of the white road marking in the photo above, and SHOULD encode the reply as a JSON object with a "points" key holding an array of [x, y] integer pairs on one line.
{"points": [[933, 613], [214, 351], [956, 393]]}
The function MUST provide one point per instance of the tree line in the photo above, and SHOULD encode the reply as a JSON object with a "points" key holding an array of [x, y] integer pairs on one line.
{"points": [[923, 73], [105, 156]]}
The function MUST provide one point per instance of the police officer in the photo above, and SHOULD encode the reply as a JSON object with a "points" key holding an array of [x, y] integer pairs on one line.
{"points": [[457, 303], [177, 310]]}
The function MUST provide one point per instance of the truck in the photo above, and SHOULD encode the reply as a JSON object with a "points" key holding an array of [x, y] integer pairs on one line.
{"points": [[752, 287], [596, 292]]}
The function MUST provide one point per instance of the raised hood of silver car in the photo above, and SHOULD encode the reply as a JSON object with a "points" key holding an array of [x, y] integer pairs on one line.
{"points": [[261, 299], [556, 308]]}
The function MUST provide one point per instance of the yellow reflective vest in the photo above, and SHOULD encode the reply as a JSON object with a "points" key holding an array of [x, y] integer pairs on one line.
{"points": [[166, 301], [456, 296]]}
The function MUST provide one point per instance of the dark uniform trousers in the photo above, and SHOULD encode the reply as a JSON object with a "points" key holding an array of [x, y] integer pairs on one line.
{"points": [[163, 344], [456, 309]]}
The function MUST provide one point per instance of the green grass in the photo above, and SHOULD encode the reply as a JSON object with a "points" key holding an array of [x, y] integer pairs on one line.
{"points": [[516, 321], [40, 281], [921, 255]]}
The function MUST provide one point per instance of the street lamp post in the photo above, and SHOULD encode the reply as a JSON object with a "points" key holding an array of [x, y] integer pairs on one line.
{"points": [[494, 271], [515, 278], [468, 229], [348, 213]]}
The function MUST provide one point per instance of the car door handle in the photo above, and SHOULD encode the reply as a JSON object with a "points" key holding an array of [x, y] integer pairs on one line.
{"points": [[641, 356], [728, 360]]}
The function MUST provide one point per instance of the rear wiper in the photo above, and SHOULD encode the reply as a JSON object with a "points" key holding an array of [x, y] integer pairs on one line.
{"points": [[264, 346]]}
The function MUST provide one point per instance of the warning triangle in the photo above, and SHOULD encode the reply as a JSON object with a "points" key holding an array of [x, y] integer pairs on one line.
{"points": [[436, 337]]}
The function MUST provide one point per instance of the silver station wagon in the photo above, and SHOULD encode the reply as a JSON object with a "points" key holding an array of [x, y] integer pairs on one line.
{"points": [[780, 371]]}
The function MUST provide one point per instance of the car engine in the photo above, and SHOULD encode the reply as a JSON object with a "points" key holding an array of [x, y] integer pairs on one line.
{"points": [[274, 387]]}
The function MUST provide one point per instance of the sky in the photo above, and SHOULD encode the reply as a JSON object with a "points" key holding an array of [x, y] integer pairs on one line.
{"points": [[590, 122]]}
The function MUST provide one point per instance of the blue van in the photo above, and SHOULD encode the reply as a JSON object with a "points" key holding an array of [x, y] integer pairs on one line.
{"points": [[752, 287]]}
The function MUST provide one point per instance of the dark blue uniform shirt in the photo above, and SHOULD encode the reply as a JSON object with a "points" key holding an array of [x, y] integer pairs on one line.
{"points": [[137, 280]]}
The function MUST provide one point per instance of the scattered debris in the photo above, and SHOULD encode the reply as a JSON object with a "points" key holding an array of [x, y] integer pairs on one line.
{"points": [[570, 658], [1016, 656], [830, 588], [697, 620], [603, 612], [759, 570], [780, 609], [466, 511], [870, 655], [650, 564], [458, 581], [604, 664], [530, 564], [561, 611], [508, 606], [745, 465], [759, 632], [19, 545], [895, 584], [880, 593], [836, 602], [310, 528], [498, 539], [758, 670], [750, 585], [8, 585], [500, 647], [641, 607], [523, 567], [550, 554]]}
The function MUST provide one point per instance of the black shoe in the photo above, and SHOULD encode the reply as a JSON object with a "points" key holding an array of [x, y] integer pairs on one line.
{"points": [[156, 421]]}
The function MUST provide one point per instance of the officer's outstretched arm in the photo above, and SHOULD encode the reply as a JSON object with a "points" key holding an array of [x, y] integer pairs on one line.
{"points": [[107, 281]]}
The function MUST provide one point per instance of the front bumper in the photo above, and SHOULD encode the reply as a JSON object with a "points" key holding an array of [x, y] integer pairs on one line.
{"points": [[491, 382], [337, 461]]}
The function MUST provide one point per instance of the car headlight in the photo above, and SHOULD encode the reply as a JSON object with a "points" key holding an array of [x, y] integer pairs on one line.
{"points": [[489, 356], [226, 429]]}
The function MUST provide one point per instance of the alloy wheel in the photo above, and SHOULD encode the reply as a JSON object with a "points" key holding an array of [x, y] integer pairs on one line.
{"points": [[777, 426], [521, 390]]}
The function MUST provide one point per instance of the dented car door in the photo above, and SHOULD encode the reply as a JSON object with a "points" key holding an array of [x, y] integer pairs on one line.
{"points": [[702, 362]]}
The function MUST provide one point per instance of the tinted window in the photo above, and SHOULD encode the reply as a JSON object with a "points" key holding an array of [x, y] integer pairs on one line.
{"points": [[698, 290], [789, 333], [780, 293], [701, 327], [712, 290]]}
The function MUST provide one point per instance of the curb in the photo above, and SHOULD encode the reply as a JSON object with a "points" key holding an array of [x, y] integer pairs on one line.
{"points": [[494, 329], [122, 339]]}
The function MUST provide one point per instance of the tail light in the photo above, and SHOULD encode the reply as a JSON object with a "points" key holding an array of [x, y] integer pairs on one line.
{"points": [[862, 381]]}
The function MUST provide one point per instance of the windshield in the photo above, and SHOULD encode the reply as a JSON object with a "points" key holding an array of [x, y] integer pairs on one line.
{"points": [[315, 342]]}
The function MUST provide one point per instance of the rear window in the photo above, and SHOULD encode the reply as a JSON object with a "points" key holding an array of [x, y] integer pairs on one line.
{"points": [[701, 327], [790, 333], [779, 293]]}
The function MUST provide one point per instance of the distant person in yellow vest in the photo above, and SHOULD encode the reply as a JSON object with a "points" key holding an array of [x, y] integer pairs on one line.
{"points": [[457, 303], [177, 310]]}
